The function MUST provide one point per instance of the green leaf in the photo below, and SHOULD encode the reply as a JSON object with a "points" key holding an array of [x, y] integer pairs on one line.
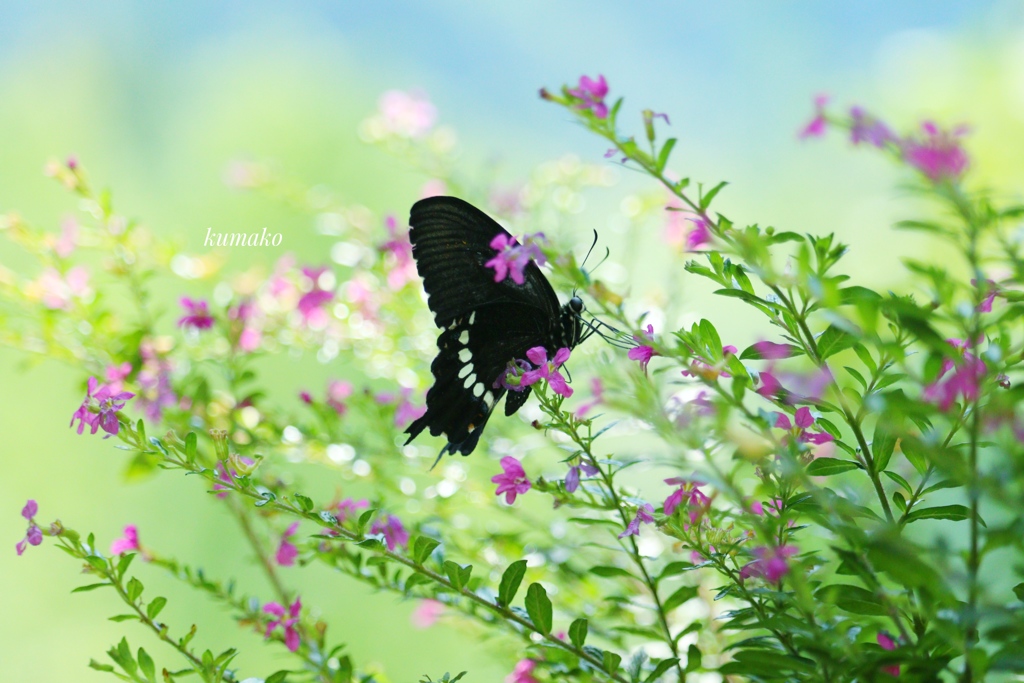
{"points": [[682, 594], [538, 606], [825, 467], [705, 201], [134, 589], [90, 587], [611, 661], [914, 451], [510, 582], [578, 631], [191, 447], [365, 518], [833, 340], [99, 666], [853, 599], [457, 574], [900, 480], [857, 376], [123, 617], [663, 666], [1018, 590], [944, 484], [607, 571], [277, 676], [778, 351], [923, 226], [883, 442], [305, 502], [674, 568], [955, 513], [663, 155], [155, 606], [423, 547], [693, 658], [146, 664], [96, 561], [899, 501]]}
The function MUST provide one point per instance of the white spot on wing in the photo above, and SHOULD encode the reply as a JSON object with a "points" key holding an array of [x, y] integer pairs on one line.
{"points": [[465, 355], [466, 369], [489, 400], [472, 317], [478, 389], [464, 337], [470, 380]]}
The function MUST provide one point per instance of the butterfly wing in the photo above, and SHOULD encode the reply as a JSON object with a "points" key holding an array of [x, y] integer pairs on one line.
{"points": [[484, 323]]}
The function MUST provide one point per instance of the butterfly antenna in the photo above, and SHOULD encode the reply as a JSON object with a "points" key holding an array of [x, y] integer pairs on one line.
{"points": [[592, 245], [443, 449]]}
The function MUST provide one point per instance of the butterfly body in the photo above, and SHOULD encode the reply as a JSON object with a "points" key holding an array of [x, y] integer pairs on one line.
{"points": [[484, 324]]}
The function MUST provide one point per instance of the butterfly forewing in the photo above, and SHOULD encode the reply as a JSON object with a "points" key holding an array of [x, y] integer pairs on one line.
{"points": [[485, 324]]}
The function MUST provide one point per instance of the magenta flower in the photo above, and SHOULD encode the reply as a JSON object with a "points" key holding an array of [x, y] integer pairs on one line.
{"points": [[938, 155], [108, 404], [886, 642], [514, 377], [866, 128], [154, 380], [250, 336], [993, 291], [306, 397], [291, 633], [228, 475], [597, 390], [116, 374], [405, 410], [523, 673], [286, 550], [965, 381], [770, 386], [804, 420], [689, 491], [513, 257], [771, 563], [548, 370], [399, 248], [350, 508], [703, 368], [643, 352], [700, 235], [767, 350], [816, 127], [127, 543], [512, 481], [337, 391], [312, 304], [394, 533], [572, 479], [33, 535], [592, 94], [197, 314], [643, 516], [427, 613]]}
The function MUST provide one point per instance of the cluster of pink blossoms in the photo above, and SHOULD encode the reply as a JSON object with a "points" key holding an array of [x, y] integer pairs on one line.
{"points": [[34, 535], [286, 620], [965, 382], [107, 401], [934, 152], [520, 374], [512, 256]]}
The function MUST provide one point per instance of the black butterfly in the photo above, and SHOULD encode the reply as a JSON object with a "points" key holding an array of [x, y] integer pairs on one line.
{"points": [[484, 324]]}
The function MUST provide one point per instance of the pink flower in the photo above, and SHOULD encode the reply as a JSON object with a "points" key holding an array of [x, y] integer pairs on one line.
{"points": [[689, 491], [433, 188], [127, 543], [399, 249], [512, 481], [33, 535], [108, 403], [312, 304], [700, 235], [771, 563], [597, 390], [703, 368], [523, 673], [58, 290], [514, 377], [572, 479], [394, 533], [116, 374], [643, 352], [68, 237], [408, 114], [965, 381], [405, 410], [804, 420], [767, 350], [643, 516], [350, 508], [154, 380], [286, 550], [337, 391], [938, 155], [866, 128], [427, 613], [513, 257], [244, 314], [548, 370], [993, 291], [291, 633], [197, 315], [228, 475], [816, 127], [592, 94], [886, 642]]}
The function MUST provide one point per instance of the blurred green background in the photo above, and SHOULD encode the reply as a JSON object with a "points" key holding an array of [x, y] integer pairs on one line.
{"points": [[155, 98]]}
